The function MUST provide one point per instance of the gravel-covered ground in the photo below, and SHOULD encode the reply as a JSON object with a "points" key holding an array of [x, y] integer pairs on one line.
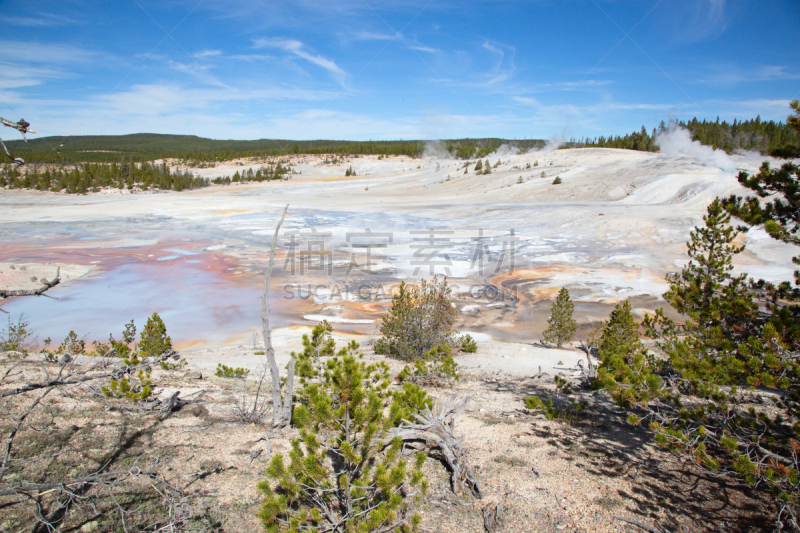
{"points": [[575, 473]]}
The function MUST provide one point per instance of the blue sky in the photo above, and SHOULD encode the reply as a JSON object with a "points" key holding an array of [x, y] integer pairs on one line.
{"points": [[372, 69]]}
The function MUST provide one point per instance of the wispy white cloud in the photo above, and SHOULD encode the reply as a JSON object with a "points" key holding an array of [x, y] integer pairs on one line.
{"points": [[297, 48], [16, 76], [165, 108], [600, 107], [421, 48], [206, 53], [504, 67], [645, 107], [554, 87], [478, 70], [730, 74], [45, 53], [371, 36], [769, 109], [252, 57], [526, 100], [29, 64], [198, 71], [410, 42], [700, 20], [40, 20]]}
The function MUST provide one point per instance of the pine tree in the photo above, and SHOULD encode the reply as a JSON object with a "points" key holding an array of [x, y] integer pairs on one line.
{"points": [[721, 316], [794, 119], [123, 346], [723, 344], [420, 319], [625, 366], [562, 325], [340, 475], [781, 220], [154, 340], [620, 334], [715, 302], [72, 345]]}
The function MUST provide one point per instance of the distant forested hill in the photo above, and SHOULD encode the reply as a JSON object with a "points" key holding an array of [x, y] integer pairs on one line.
{"points": [[767, 137], [149, 146]]}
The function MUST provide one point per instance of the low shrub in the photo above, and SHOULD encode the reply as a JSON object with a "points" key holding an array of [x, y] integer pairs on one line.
{"points": [[436, 367], [135, 387], [468, 344], [224, 371]]}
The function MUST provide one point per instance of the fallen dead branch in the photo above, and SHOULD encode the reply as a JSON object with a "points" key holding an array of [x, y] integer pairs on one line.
{"points": [[434, 428]]}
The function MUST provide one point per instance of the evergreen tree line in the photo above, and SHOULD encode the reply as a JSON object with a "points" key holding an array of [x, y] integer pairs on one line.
{"points": [[633, 141], [213, 151], [767, 137], [270, 172], [149, 147], [92, 176], [480, 148]]}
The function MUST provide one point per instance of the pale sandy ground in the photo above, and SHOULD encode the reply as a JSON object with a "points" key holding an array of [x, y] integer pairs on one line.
{"points": [[551, 476], [507, 358]]}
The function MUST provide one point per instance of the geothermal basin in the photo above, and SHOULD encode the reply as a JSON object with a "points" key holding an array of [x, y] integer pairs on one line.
{"points": [[507, 242]]}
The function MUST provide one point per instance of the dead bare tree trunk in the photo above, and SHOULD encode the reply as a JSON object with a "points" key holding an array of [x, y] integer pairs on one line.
{"points": [[590, 374], [281, 407]]}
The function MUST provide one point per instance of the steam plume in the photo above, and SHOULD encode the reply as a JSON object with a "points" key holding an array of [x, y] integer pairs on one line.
{"points": [[676, 141]]}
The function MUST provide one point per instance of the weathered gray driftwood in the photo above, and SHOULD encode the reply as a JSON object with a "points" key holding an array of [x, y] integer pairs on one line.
{"points": [[281, 407], [434, 428]]}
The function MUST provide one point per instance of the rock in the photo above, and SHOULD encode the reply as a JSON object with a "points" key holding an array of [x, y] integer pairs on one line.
{"points": [[193, 410], [492, 517], [193, 375]]}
